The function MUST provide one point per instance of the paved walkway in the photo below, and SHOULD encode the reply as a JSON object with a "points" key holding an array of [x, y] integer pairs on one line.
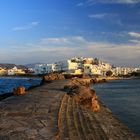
{"points": [[32, 116]]}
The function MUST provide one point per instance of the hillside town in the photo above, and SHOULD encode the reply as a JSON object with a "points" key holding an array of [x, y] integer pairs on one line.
{"points": [[73, 66], [81, 65]]}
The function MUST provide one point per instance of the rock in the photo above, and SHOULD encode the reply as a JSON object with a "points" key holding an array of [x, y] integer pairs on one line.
{"points": [[19, 91], [84, 96], [94, 80], [95, 104], [54, 76], [79, 89], [81, 82], [86, 76], [93, 93]]}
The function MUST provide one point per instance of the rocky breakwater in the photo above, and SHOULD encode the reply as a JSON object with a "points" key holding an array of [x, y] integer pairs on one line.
{"points": [[82, 116], [80, 90]]}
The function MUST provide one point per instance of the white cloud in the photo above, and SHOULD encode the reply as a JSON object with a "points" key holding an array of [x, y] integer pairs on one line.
{"points": [[64, 41], [26, 27], [126, 1], [48, 50], [35, 23], [100, 15], [80, 4], [134, 34], [109, 17], [135, 41], [53, 40], [114, 1]]}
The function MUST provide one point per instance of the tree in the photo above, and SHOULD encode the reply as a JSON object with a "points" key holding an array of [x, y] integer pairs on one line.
{"points": [[135, 73], [109, 73], [96, 61]]}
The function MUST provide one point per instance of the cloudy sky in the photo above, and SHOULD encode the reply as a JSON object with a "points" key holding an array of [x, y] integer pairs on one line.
{"points": [[51, 30]]}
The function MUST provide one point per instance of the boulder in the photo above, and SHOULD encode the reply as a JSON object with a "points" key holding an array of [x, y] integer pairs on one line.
{"points": [[83, 95], [19, 90], [95, 103]]}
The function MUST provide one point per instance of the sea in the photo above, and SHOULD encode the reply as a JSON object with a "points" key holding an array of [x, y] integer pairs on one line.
{"points": [[8, 83], [122, 97]]}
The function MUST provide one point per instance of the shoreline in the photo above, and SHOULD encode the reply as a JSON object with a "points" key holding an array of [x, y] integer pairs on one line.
{"points": [[6, 95], [111, 120], [125, 103]]}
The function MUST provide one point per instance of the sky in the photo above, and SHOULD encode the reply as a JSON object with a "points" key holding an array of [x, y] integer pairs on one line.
{"points": [[46, 31]]}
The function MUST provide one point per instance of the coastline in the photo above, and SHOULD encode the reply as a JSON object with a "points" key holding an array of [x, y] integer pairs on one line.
{"points": [[8, 94], [50, 100], [5, 95], [122, 97]]}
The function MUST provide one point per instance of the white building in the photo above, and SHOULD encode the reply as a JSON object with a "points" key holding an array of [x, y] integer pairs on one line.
{"points": [[74, 64], [90, 66], [15, 71], [96, 70], [88, 60], [3, 71], [87, 69], [91, 69], [43, 68], [60, 66], [48, 68], [123, 70]]}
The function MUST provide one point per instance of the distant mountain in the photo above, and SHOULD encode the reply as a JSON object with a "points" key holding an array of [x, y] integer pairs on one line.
{"points": [[21, 67], [10, 66]]}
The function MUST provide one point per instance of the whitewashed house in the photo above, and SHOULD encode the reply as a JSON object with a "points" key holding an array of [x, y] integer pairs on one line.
{"points": [[95, 70], [3, 71], [42, 69], [12, 71], [60, 66], [74, 64]]}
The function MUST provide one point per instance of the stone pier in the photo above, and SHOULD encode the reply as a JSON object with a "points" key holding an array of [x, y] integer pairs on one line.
{"points": [[48, 113]]}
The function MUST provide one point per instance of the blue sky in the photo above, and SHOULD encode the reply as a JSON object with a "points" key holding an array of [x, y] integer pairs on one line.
{"points": [[51, 30]]}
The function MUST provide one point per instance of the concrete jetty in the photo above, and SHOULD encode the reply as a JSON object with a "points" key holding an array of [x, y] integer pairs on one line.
{"points": [[48, 113]]}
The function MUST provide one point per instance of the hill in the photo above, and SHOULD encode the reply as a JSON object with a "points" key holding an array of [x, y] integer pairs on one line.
{"points": [[10, 66]]}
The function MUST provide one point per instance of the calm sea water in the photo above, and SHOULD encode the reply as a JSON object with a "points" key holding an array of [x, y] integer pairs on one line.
{"points": [[123, 98], [8, 83]]}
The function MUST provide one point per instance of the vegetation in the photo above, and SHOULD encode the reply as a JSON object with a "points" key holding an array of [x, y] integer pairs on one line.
{"points": [[109, 73], [96, 61], [137, 74]]}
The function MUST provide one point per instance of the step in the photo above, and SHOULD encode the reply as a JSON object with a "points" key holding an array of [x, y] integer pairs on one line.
{"points": [[85, 124], [62, 121], [94, 125], [77, 121], [70, 121]]}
